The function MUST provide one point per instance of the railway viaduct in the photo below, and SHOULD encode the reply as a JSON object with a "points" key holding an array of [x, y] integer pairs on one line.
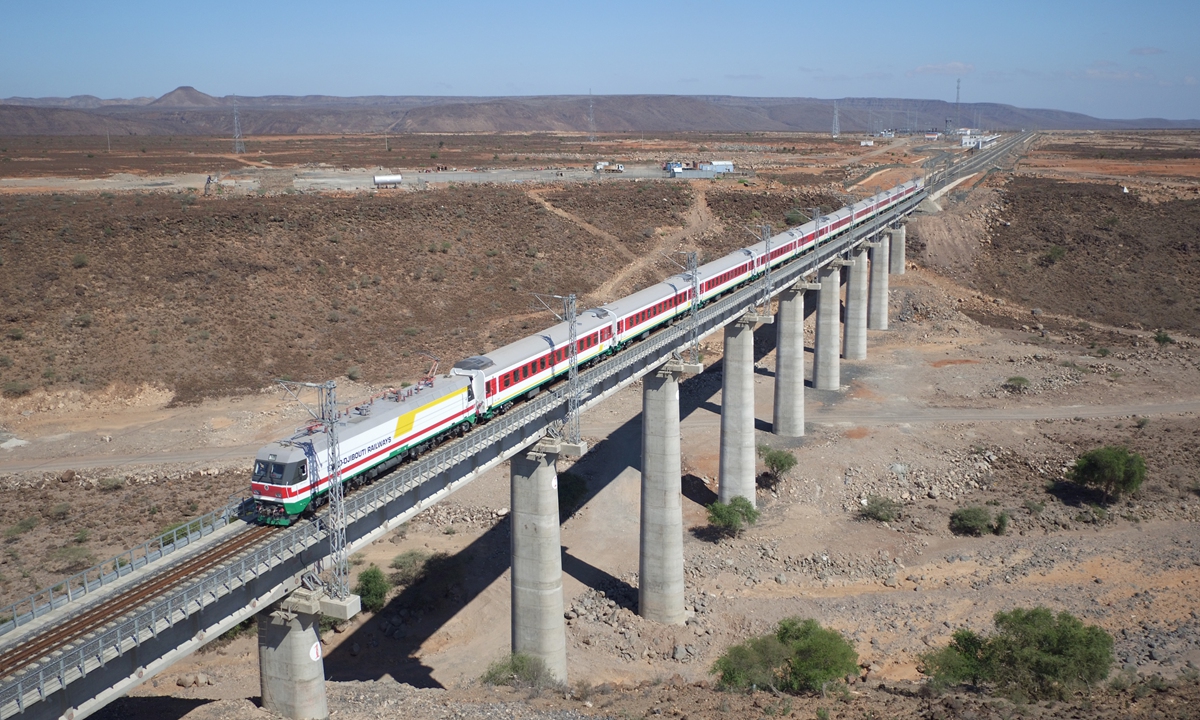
{"points": [[69, 650]]}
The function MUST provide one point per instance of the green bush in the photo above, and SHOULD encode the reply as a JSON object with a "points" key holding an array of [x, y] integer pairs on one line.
{"points": [[1033, 655], [778, 462], [1001, 525], [521, 671], [16, 388], [880, 508], [732, 516], [795, 217], [74, 557], [801, 657], [112, 484], [22, 527], [1016, 383], [1112, 468], [1054, 254], [79, 261], [372, 588], [1163, 339], [409, 566], [972, 520]]}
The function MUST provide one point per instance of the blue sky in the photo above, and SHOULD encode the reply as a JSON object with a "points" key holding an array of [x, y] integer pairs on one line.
{"points": [[1108, 59]]}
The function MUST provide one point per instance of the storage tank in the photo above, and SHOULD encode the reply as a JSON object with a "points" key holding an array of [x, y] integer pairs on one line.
{"points": [[388, 179]]}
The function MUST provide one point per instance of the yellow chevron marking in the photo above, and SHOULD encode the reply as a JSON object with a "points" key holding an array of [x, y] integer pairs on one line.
{"points": [[404, 423]]}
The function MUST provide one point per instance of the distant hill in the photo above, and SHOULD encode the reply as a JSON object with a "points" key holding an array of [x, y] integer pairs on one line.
{"points": [[188, 111], [186, 97]]}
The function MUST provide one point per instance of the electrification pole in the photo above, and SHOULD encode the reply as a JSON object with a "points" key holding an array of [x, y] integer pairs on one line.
{"points": [[766, 237], [573, 432], [335, 521]]}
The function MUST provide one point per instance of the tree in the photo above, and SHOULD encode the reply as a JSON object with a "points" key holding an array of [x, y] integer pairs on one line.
{"points": [[1033, 655], [1112, 468], [800, 657], [778, 462], [819, 655], [731, 516]]}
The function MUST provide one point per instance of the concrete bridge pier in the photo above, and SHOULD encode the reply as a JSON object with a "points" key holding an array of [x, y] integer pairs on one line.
{"points": [[660, 560], [788, 416], [737, 410], [877, 303], [538, 627], [855, 343], [897, 249], [827, 369], [291, 669]]}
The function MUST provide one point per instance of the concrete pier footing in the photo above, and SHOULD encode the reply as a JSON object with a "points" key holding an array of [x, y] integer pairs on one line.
{"points": [[538, 627], [897, 250], [855, 345], [877, 303], [827, 370], [737, 476], [291, 669], [660, 560], [788, 415]]}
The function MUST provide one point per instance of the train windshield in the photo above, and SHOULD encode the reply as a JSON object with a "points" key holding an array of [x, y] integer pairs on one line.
{"points": [[260, 469]]}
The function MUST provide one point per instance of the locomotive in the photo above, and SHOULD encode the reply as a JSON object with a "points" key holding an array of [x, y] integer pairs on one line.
{"points": [[292, 476]]}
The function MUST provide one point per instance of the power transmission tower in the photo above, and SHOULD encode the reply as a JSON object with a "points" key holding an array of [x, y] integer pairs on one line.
{"points": [[591, 119], [836, 129], [957, 108], [239, 145]]}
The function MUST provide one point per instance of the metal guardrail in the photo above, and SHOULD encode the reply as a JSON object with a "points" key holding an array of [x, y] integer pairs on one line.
{"points": [[116, 567], [71, 663]]}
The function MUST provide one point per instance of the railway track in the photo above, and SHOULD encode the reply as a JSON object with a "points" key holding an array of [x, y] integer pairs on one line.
{"points": [[26, 653]]}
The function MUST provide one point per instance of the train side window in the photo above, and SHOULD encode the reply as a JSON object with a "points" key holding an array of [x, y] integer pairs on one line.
{"points": [[504, 381], [302, 471]]}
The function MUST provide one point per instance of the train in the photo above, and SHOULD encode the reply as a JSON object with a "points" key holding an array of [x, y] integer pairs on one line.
{"points": [[291, 477]]}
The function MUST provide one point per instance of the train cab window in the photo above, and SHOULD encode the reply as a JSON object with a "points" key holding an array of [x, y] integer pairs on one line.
{"points": [[260, 470], [302, 471], [276, 472]]}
